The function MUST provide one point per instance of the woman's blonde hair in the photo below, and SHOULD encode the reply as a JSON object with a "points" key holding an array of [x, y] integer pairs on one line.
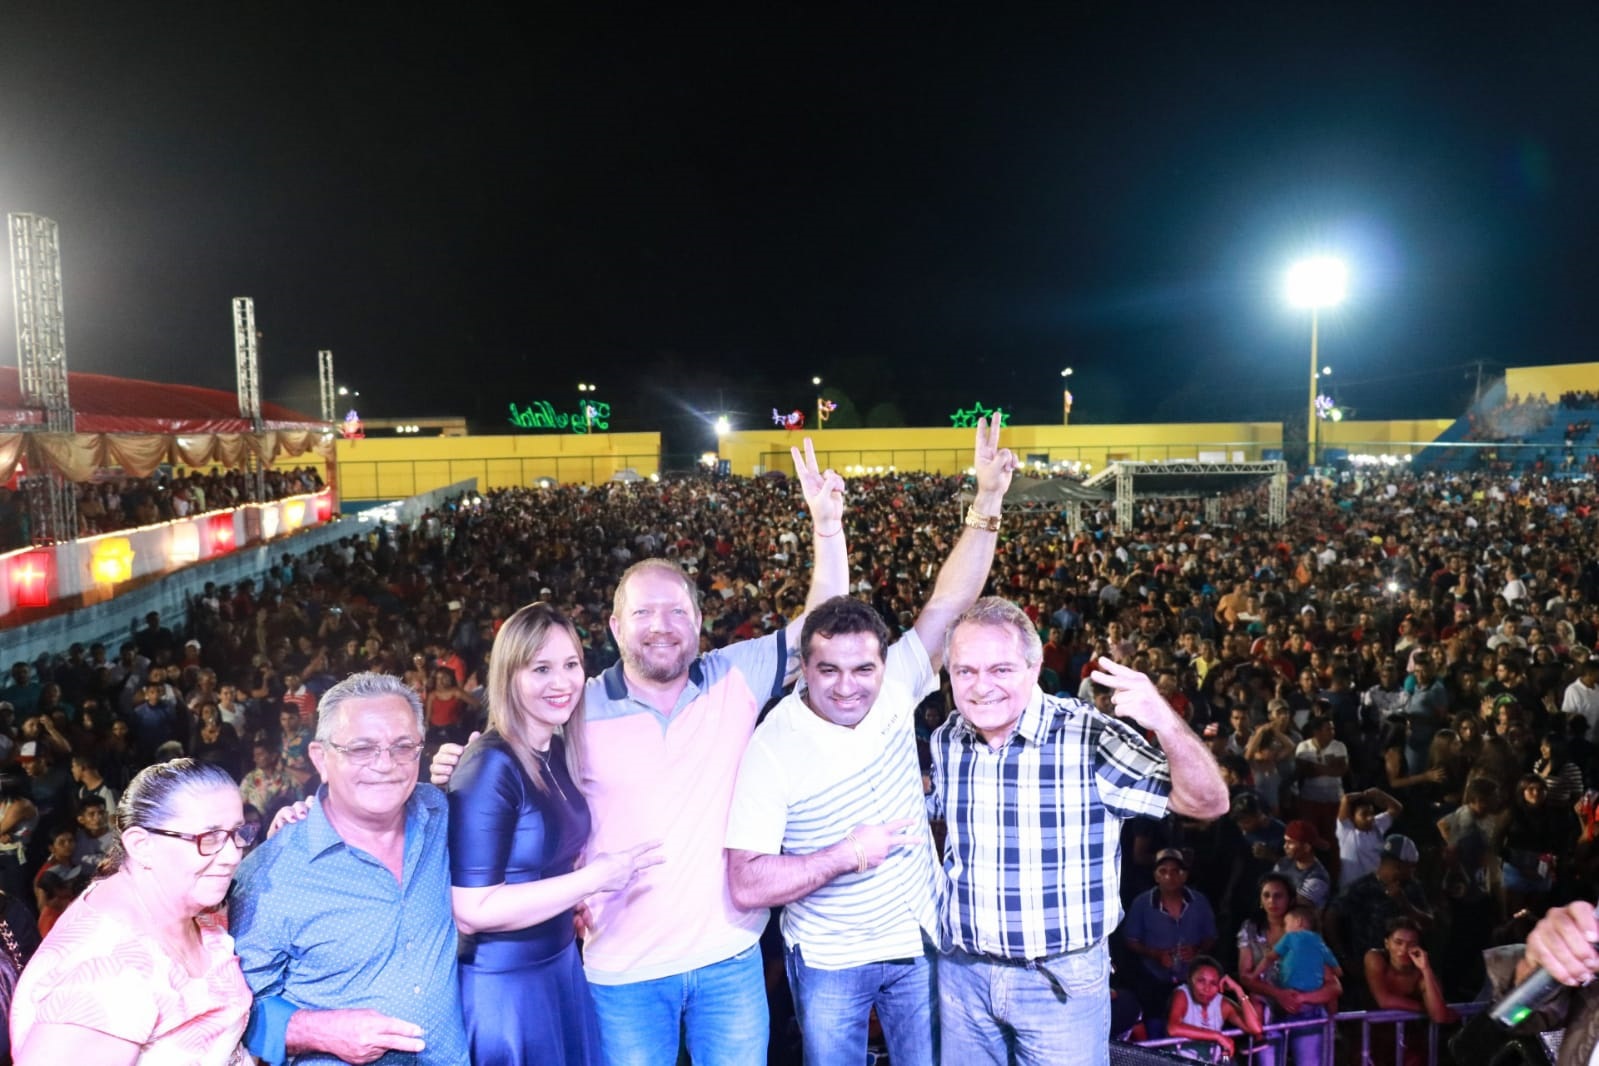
{"points": [[515, 646]]}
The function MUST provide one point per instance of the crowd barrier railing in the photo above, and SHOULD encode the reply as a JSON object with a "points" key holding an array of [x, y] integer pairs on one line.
{"points": [[1267, 1051]]}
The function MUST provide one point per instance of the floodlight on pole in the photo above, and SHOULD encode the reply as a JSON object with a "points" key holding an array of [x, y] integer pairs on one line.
{"points": [[1315, 283], [1065, 397], [723, 426]]}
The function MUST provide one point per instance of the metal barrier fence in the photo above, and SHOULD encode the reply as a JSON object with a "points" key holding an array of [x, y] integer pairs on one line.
{"points": [[1266, 1051]]}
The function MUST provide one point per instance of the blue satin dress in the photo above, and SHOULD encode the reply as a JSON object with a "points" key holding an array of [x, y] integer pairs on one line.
{"points": [[524, 998]]}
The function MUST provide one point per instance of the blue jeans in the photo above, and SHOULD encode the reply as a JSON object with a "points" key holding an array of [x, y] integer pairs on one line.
{"points": [[999, 1013], [834, 1008], [720, 1008], [1305, 1043]]}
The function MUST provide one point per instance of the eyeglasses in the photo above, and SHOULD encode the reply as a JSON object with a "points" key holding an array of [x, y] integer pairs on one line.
{"points": [[361, 753], [210, 842]]}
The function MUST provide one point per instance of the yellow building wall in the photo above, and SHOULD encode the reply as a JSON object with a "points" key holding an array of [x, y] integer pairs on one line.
{"points": [[946, 451], [1397, 437], [1551, 381], [389, 468]]}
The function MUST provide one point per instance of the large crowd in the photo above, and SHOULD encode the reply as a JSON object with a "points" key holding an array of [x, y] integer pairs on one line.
{"points": [[115, 503], [1399, 684]]}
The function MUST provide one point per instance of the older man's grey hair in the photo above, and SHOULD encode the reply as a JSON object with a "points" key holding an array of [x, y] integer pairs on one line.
{"points": [[356, 687], [1003, 614]]}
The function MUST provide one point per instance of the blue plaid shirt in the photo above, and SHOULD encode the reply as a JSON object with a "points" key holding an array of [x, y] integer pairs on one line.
{"points": [[1034, 844]]}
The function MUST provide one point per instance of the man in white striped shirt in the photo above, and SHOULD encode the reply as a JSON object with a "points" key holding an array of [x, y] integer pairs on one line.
{"points": [[828, 818], [1034, 789]]}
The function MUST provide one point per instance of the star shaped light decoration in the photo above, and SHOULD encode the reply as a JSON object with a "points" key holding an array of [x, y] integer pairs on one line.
{"points": [[967, 418]]}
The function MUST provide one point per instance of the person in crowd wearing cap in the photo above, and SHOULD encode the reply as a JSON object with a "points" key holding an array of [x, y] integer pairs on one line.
{"points": [[1320, 763], [1299, 864], [1361, 828], [1035, 789], [828, 819], [1166, 927], [1358, 919]]}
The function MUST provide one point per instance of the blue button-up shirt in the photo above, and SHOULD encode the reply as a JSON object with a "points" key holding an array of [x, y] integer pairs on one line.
{"points": [[321, 925]]}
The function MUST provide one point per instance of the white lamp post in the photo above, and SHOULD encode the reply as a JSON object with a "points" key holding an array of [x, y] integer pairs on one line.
{"points": [[1316, 283]]}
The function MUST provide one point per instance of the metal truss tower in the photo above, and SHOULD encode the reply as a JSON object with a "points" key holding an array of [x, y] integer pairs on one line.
{"points": [[324, 366], [42, 363], [246, 363], [41, 331], [247, 368]]}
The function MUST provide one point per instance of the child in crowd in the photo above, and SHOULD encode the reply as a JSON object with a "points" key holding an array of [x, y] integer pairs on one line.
{"points": [[1300, 956], [1361, 829], [1199, 1012]]}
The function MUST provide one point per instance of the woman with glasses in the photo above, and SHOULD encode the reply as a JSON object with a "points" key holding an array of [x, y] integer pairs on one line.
{"points": [[141, 968], [517, 826]]}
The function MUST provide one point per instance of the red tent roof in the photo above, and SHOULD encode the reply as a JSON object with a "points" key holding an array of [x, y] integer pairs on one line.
{"points": [[105, 404]]}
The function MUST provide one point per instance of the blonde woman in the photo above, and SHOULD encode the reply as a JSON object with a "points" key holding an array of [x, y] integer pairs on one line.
{"points": [[518, 825]]}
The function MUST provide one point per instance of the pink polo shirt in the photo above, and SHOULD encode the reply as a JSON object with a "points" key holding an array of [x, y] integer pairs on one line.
{"points": [[649, 776]]}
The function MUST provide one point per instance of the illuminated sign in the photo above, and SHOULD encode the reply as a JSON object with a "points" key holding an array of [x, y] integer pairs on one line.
{"points": [[967, 418], [541, 414]]}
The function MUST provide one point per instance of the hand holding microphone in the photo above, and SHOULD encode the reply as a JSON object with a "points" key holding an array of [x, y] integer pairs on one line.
{"points": [[1562, 949]]}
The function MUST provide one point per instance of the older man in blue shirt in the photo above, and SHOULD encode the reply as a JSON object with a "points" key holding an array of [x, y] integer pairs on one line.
{"points": [[343, 921]]}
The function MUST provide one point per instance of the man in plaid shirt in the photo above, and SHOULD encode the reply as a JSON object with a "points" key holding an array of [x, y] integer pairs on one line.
{"points": [[1034, 789]]}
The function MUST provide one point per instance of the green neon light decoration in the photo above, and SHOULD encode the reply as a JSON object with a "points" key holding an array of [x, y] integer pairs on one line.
{"points": [[966, 418], [541, 414]]}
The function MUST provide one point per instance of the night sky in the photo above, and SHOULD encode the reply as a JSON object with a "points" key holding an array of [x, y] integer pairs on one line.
{"points": [[700, 208]]}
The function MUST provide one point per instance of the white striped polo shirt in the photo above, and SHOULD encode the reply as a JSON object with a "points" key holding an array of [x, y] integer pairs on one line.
{"points": [[805, 783]]}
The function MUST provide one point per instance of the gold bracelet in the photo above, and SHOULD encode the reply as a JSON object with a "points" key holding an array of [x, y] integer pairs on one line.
{"points": [[860, 852], [977, 520]]}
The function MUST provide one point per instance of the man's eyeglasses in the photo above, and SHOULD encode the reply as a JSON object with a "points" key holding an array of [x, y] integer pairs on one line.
{"points": [[361, 753], [210, 842]]}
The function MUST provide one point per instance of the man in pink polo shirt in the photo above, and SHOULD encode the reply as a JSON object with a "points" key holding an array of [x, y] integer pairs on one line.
{"points": [[664, 732]]}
